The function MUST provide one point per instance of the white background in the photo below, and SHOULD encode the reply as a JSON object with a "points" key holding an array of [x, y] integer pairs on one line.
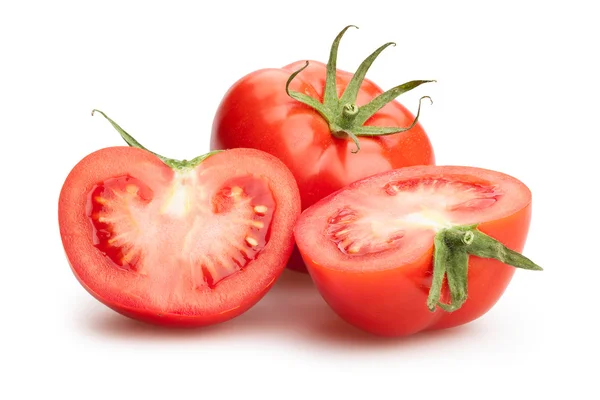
{"points": [[517, 91]]}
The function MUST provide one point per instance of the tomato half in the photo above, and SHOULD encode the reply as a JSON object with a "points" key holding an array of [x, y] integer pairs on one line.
{"points": [[317, 144], [183, 247], [370, 246]]}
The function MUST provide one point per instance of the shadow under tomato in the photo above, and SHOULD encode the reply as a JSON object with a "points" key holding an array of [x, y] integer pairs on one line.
{"points": [[293, 307], [337, 333], [111, 324]]}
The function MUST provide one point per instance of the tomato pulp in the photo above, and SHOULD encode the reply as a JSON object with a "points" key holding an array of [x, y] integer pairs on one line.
{"points": [[320, 145], [185, 246], [370, 246]]}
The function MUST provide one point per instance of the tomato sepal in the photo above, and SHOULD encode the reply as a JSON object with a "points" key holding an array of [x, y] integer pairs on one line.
{"points": [[181, 165], [345, 118], [452, 248]]}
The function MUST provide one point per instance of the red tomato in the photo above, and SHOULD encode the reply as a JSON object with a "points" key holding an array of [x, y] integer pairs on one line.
{"points": [[380, 249], [182, 246], [318, 146]]}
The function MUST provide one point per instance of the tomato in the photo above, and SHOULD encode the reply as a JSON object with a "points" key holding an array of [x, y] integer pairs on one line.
{"points": [[179, 243], [316, 128], [417, 248]]}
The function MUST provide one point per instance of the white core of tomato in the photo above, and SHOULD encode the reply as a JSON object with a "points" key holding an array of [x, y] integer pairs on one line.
{"points": [[432, 203], [382, 225], [407, 210], [180, 194], [370, 224], [427, 219]]}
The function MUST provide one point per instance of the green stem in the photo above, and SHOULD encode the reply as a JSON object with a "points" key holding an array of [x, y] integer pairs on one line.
{"points": [[175, 164], [306, 99], [345, 119], [452, 248], [440, 260], [349, 113], [351, 91], [371, 131], [330, 96], [368, 110]]}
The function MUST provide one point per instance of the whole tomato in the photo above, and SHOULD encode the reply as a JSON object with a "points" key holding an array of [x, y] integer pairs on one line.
{"points": [[328, 126]]}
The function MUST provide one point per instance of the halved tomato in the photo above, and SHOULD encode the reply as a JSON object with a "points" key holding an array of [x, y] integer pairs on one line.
{"points": [[393, 253], [188, 243]]}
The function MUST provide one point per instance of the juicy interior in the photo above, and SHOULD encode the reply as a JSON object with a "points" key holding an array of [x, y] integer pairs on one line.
{"points": [[187, 232], [372, 225]]}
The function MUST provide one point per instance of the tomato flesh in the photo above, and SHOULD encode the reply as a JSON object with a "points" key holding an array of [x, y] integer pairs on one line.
{"points": [[188, 247], [369, 246]]}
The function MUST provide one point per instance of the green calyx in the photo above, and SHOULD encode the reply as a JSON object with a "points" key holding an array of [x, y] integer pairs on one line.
{"points": [[452, 248], [175, 164], [345, 117]]}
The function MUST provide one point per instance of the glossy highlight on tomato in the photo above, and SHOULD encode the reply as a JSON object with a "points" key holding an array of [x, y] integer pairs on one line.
{"points": [[186, 246], [270, 111], [371, 246]]}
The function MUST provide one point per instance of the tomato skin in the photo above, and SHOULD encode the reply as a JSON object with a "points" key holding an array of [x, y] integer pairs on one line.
{"points": [[392, 302], [111, 285], [169, 319], [256, 112]]}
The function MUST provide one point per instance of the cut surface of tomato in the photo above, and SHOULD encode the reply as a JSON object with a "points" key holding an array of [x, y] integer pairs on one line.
{"points": [[179, 247], [369, 247], [128, 221]]}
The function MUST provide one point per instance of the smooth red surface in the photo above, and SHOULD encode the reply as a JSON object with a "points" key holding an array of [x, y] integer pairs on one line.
{"points": [[256, 112], [385, 293], [158, 285]]}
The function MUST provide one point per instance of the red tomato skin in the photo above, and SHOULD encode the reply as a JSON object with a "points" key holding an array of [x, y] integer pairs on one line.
{"points": [[248, 285], [256, 112], [169, 319]]}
